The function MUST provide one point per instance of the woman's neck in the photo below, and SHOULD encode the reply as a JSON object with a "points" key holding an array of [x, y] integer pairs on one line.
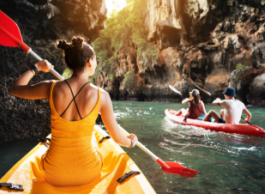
{"points": [[80, 75]]}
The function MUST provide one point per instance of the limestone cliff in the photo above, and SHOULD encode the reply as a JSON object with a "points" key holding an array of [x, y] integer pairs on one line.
{"points": [[198, 41], [41, 23]]}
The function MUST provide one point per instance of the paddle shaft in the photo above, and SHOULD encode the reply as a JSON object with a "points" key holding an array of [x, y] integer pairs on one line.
{"points": [[37, 57], [208, 93], [141, 146]]}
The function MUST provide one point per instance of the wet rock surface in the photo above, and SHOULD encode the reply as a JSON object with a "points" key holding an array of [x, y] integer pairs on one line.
{"points": [[199, 42], [41, 23]]}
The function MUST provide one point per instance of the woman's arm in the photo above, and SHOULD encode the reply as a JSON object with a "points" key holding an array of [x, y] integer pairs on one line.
{"points": [[109, 121], [20, 87], [186, 101]]}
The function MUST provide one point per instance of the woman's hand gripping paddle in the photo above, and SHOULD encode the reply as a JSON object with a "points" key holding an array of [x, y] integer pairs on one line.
{"points": [[209, 94], [10, 36], [168, 167]]}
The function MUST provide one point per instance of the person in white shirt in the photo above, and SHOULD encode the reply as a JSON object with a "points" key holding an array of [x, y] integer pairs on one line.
{"points": [[232, 111]]}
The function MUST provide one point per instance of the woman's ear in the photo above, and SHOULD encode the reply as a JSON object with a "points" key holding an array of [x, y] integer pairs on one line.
{"points": [[88, 63]]}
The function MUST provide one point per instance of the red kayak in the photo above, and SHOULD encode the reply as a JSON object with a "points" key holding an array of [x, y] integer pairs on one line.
{"points": [[242, 129]]}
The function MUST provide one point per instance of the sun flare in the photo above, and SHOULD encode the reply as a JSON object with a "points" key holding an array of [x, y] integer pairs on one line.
{"points": [[114, 5]]}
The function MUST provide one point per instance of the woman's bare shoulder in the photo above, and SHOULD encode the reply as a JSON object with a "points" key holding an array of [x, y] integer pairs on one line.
{"points": [[104, 98], [201, 101], [58, 83], [59, 87], [103, 92]]}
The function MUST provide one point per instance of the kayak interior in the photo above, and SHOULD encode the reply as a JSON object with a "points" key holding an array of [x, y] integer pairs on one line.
{"points": [[116, 164]]}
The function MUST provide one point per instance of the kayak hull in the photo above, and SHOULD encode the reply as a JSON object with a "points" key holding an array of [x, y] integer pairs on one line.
{"points": [[242, 129], [116, 164]]}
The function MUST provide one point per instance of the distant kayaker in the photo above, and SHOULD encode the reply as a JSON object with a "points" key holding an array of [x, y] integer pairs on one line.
{"points": [[232, 111], [196, 106], [73, 157]]}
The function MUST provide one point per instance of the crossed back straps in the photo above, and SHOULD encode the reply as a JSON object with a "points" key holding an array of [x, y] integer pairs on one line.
{"points": [[74, 96]]}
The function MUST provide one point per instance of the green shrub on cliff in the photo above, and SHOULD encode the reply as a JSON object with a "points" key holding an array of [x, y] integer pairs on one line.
{"points": [[129, 80], [123, 29], [243, 67]]}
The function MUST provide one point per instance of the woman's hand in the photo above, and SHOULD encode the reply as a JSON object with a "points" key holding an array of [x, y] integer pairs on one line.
{"points": [[44, 66], [246, 120], [20, 87], [133, 138]]}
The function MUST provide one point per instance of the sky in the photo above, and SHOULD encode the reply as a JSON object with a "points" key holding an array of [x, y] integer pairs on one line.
{"points": [[115, 4]]}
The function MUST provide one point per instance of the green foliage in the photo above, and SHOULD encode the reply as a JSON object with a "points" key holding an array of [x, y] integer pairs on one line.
{"points": [[108, 65], [111, 77], [129, 80], [67, 73], [243, 67], [122, 29]]}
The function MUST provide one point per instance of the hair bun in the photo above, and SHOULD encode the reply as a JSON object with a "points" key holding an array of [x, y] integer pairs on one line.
{"points": [[63, 45], [77, 43]]}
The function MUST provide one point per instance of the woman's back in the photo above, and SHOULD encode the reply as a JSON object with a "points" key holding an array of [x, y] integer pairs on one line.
{"points": [[85, 100], [72, 159], [194, 110]]}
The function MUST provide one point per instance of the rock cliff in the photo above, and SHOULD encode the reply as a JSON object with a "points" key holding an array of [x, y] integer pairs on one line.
{"points": [[197, 41], [41, 23], [211, 43]]}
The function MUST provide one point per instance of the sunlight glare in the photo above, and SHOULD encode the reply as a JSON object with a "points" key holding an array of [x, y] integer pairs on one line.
{"points": [[114, 5]]}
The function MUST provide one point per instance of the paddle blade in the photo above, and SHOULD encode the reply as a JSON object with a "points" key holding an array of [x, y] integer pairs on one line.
{"points": [[7, 24], [176, 168], [175, 90], [10, 33]]}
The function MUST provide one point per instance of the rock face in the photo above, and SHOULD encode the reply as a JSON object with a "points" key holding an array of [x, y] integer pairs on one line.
{"points": [[197, 41], [249, 83], [41, 23], [257, 91], [187, 22], [173, 23]]}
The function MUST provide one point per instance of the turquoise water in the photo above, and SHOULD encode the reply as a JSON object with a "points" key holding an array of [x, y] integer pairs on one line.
{"points": [[228, 163], [12, 152]]}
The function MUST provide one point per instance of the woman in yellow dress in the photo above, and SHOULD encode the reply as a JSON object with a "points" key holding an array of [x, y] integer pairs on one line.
{"points": [[73, 157]]}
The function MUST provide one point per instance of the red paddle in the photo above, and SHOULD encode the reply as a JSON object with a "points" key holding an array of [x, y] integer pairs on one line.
{"points": [[10, 36], [168, 167]]}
